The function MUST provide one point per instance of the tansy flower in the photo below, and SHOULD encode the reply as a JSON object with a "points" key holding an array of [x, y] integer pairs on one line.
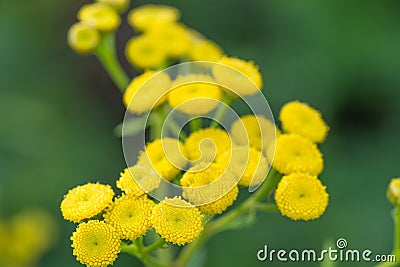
{"points": [[194, 94], [145, 53], [138, 180], [173, 37], [255, 131], [100, 16], [301, 196], [96, 244], [241, 77], [86, 201], [210, 187], [119, 5], [206, 144], [130, 216], [83, 38], [151, 16], [247, 163], [202, 49], [296, 154], [177, 221], [146, 91], [166, 156], [299, 118]]}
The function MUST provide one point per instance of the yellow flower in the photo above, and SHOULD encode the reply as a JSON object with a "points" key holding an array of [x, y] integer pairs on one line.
{"points": [[119, 5], [301, 119], [301, 196], [206, 144], [173, 37], [194, 94], [202, 49], [254, 130], [83, 38], [393, 191], [100, 16], [296, 154], [210, 187], [247, 163], [150, 16], [86, 201], [96, 244], [166, 156], [146, 91], [241, 77], [138, 180], [130, 216], [145, 53], [177, 221]]}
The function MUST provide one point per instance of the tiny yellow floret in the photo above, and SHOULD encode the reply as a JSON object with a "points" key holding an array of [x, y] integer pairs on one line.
{"points": [[96, 244], [83, 38], [177, 221], [296, 154], [138, 180], [299, 118], [144, 52], [194, 94], [119, 5], [301, 196], [86, 201], [146, 91], [130, 216]]}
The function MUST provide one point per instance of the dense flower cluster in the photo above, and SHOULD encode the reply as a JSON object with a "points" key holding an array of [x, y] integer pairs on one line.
{"points": [[210, 162]]}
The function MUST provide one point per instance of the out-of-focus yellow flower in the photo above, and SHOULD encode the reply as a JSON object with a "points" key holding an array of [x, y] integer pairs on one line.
{"points": [[146, 91], [206, 144], [130, 216], [100, 16], [255, 131], [83, 38], [173, 37], [86, 201], [119, 5], [393, 191], [138, 180], [240, 76], [210, 187], [301, 196], [194, 94], [166, 156], [150, 16], [296, 154], [202, 49], [96, 244], [245, 162], [177, 221], [25, 237], [301, 119], [144, 52]]}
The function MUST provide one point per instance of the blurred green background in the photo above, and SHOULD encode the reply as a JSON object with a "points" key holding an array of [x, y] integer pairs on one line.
{"points": [[58, 110]]}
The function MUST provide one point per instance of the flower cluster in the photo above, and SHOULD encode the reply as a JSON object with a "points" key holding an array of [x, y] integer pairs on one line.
{"points": [[208, 163]]}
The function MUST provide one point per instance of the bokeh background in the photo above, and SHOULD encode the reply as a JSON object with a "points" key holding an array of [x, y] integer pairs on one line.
{"points": [[58, 110]]}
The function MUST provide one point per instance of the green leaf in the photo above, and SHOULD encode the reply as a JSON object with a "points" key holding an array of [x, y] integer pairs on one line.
{"points": [[198, 259], [131, 127]]}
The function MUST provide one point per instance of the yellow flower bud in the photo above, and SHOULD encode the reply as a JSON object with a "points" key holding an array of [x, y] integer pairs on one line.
{"points": [[393, 191], [83, 38], [100, 16]]}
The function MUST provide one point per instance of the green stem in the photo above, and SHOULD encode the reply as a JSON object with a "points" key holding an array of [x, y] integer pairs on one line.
{"points": [[224, 221], [195, 124], [221, 110], [106, 53], [144, 257], [173, 125], [396, 240], [157, 244], [156, 122]]}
